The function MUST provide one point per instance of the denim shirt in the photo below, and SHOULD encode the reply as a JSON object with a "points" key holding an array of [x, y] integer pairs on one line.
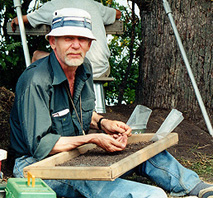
{"points": [[42, 111]]}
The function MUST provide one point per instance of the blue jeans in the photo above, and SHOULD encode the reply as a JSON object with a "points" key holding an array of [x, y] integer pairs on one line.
{"points": [[163, 169]]}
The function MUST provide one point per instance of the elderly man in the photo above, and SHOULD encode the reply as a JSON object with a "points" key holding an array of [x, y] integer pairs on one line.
{"points": [[53, 111]]}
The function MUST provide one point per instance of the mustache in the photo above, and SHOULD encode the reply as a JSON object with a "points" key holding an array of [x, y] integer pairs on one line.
{"points": [[71, 52]]}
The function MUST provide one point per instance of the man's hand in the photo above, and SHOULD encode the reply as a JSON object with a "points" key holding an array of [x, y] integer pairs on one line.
{"points": [[109, 126], [115, 127], [13, 24], [110, 143]]}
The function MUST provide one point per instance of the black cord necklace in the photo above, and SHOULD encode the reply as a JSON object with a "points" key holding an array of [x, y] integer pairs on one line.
{"points": [[71, 100]]}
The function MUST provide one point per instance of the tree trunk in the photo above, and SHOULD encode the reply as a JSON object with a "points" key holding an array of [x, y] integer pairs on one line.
{"points": [[164, 81]]}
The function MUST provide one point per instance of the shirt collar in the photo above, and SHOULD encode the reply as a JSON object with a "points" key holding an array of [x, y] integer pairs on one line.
{"points": [[58, 73], [83, 72]]}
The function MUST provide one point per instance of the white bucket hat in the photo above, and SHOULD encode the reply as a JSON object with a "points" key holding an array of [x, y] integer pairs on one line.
{"points": [[71, 22]]}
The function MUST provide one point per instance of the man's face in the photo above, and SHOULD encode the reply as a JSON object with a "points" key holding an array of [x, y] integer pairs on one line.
{"points": [[70, 50]]}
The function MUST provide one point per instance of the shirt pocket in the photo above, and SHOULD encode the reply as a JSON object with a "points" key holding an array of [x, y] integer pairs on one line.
{"points": [[62, 123], [87, 110]]}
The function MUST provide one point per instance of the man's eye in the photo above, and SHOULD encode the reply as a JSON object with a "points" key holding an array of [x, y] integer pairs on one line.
{"points": [[82, 39], [68, 38]]}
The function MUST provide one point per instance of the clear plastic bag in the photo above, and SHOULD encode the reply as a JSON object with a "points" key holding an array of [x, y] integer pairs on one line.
{"points": [[174, 118], [139, 118]]}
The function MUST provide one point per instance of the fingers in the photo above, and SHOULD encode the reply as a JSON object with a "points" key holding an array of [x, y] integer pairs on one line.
{"points": [[110, 143], [114, 148], [14, 22], [119, 143], [122, 138], [13, 26], [126, 128], [117, 127], [119, 136]]}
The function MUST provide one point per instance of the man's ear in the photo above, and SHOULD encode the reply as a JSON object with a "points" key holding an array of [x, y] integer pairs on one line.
{"points": [[52, 42], [90, 43]]}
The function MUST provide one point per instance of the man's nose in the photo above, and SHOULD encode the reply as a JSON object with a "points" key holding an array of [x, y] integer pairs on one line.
{"points": [[75, 43]]}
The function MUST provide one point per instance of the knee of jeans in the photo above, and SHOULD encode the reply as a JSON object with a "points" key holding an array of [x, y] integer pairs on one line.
{"points": [[159, 193]]}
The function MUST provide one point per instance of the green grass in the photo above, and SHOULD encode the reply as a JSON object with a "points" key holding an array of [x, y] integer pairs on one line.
{"points": [[202, 165]]}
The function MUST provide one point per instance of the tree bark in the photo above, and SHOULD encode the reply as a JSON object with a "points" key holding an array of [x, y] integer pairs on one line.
{"points": [[164, 81]]}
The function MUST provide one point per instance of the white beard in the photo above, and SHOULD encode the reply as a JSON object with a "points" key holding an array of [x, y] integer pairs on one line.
{"points": [[74, 62]]}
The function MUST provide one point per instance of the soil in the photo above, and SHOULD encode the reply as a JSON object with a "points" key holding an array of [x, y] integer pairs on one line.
{"points": [[195, 144], [99, 157]]}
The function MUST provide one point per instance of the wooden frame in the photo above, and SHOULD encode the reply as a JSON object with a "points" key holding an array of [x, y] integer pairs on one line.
{"points": [[103, 79], [41, 30], [46, 168]]}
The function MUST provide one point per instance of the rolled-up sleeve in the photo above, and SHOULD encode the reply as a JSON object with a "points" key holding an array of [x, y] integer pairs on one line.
{"points": [[43, 15], [108, 14], [35, 122]]}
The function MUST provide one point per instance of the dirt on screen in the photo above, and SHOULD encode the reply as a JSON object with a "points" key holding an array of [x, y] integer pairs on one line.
{"points": [[99, 157]]}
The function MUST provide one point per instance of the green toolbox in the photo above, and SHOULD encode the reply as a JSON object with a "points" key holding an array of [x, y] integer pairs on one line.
{"points": [[22, 188], [2, 189]]}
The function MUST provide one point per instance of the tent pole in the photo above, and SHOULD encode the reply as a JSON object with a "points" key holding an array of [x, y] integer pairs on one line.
{"points": [[17, 6], [197, 93]]}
